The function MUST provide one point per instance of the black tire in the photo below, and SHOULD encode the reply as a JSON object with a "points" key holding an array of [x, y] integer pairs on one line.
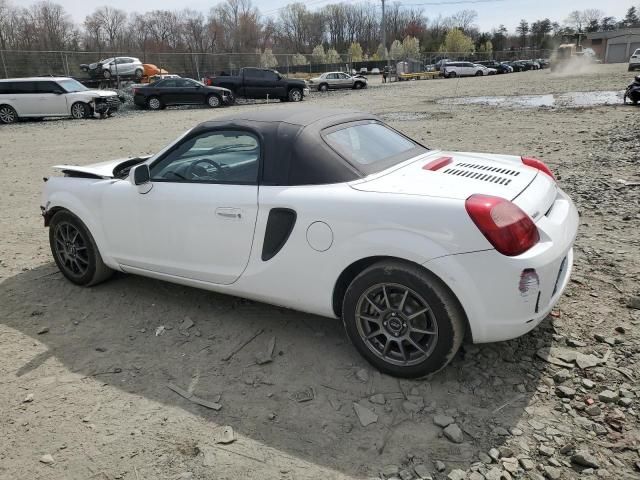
{"points": [[84, 265], [80, 110], [106, 73], [479, 73], [444, 315], [358, 85], [323, 87], [8, 114], [154, 103], [138, 74], [295, 95], [452, 75], [214, 101]]}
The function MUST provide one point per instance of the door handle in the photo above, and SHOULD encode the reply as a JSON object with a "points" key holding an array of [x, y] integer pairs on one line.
{"points": [[226, 212]]}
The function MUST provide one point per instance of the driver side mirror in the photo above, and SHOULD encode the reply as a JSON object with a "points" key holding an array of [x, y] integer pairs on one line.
{"points": [[139, 174]]}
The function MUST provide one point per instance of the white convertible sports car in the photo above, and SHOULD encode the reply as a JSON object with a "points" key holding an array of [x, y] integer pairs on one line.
{"points": [[333, 213]]}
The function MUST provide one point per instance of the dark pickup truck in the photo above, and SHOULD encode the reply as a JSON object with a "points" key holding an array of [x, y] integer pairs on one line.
{"points": [[262, 83]]}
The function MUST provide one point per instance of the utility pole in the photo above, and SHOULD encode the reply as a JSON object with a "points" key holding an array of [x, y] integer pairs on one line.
{"points": [[384, 34]]}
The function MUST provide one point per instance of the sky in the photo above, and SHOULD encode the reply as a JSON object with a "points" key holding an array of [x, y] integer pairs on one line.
{"points": [[491, 13]]}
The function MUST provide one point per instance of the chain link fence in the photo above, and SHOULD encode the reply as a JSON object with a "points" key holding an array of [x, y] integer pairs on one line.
{"points": [[200, 65]]}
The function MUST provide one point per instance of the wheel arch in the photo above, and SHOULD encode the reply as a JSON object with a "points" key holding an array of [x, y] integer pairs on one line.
{"points": [[354, 269]]}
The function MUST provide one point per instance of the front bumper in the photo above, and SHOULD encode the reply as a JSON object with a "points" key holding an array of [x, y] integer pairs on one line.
{"points": [[505, 297], [106, 104]]}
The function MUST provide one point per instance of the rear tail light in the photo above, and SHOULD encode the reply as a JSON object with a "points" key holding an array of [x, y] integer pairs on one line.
{"points": [[537, 164], [504, 224]]}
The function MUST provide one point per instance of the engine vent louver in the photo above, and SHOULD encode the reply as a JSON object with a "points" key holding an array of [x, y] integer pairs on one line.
{"points": [[483, 173]]}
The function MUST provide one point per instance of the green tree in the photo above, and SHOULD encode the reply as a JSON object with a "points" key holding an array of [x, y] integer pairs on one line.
{"points": [[382, 52], [457, 42], [268, 59], [523, 30], [396, 50], [631, 19], [411, 46], [486, 47], [299, 59], [318, 54], [332, 56], [355, 50]]}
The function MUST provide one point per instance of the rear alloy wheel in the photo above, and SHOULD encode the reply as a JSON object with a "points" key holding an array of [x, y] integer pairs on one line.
{"points": [[75, 251], [295, 95], [323, 88], [402, 319], [106, 74], [8, 114], [154, 103], [79, 110], [138, 74], [213, 101]]}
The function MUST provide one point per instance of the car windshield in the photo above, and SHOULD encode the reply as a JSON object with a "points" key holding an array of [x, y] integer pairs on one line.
{"points": [[106, 60], [371, 145], [71, 85]]}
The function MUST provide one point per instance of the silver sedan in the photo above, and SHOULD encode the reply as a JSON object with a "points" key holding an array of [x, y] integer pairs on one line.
{"points": [[335, 80]]}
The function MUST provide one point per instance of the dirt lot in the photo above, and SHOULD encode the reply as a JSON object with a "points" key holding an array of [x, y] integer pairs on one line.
{"points": [[83, 375]]}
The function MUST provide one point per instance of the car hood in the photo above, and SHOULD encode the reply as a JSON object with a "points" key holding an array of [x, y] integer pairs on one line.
{"points": [[102, 169], [467, 174], [99, 93]]}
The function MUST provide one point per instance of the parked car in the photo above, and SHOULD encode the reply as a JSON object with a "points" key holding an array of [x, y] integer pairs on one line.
{"points": [[363, 71], [486, 70], [180, 91], [441, 63], [262, 83], [375, 71], [39, 97], [517, 66], [336, 80], [334, 213], [119, 66], [634, 61], [497, 66], [462, 69], [507, 66]]}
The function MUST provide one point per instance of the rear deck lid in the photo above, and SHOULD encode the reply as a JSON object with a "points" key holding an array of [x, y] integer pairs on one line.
{"points": [[466, 174]]}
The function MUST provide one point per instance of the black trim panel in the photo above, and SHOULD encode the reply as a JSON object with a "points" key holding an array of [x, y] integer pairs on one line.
{"points": [[279, 227]]}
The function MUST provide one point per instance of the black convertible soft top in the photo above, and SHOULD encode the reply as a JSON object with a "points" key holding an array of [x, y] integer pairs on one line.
{"points": [[293, 150]]}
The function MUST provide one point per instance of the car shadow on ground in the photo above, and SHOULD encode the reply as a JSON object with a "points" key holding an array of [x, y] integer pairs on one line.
{"points": [[127, 334]]}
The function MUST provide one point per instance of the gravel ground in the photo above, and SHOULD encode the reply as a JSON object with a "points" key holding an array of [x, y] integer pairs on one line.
{"points": [[84, 373]]}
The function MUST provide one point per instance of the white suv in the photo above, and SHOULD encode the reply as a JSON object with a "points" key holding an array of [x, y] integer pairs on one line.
{"points": [[39, 97], [634, 61], [462, 69]]}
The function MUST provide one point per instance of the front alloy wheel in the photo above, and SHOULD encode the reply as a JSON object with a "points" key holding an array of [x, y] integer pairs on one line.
{"points": [[7, 114], [213, 101], [295, 95], [75, 251], [79, 110]]}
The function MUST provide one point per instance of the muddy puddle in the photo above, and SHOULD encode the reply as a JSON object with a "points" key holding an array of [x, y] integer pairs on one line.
{"points": [[404, 116], [559, 100]]}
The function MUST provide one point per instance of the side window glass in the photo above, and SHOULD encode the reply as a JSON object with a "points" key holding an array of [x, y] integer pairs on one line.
{"points": [[270, 76], [230, 156], [25, 87], [47, 87], [170, 83]]}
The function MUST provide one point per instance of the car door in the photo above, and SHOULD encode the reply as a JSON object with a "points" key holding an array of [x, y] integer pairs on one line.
{"points": [[27, 98], [51, 98], [169, 91], [332, 80], [191, 91], [274, 85], [468, 68], [344, 80], [197, 220], [252, 82]]}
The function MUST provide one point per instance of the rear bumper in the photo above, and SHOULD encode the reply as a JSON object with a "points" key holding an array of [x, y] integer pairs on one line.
{"points": [[505, 297]]}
